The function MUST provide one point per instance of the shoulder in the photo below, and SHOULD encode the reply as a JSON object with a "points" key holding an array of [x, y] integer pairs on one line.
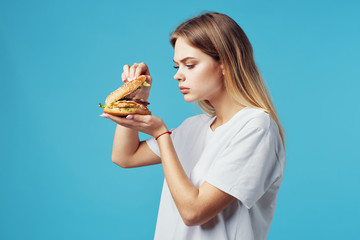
{"points": [[256, 118], [266, 128], [259, 120]]}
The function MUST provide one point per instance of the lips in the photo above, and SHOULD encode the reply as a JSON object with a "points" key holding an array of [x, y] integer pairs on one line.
{"points": [[184, 90]]}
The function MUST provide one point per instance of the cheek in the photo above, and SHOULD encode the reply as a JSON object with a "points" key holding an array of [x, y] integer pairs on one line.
{"points": [[211, 79], [208, 75], [206, 85]]}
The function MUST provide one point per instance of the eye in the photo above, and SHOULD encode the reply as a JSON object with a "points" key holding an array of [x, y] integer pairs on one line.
{"points": [[189, 66], [176, 67]]}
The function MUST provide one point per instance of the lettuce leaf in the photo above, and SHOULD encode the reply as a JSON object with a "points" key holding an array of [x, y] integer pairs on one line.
{"points": [[102, 106]]}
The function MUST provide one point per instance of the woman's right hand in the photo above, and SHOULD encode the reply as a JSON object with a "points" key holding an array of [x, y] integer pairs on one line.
{"points": [[130, 73]]}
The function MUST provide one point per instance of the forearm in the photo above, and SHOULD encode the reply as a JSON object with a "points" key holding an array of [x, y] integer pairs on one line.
{"points": [[184, 193], [126, 142]]}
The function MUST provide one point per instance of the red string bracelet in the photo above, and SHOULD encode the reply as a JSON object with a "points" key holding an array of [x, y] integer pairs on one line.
{"points": [[169, 132]]}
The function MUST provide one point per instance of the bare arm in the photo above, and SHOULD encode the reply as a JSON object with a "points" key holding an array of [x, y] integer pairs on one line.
{"points": [[129, 152]]}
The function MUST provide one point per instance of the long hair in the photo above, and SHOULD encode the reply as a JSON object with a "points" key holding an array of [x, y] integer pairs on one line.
{"points": [[220, 37]]}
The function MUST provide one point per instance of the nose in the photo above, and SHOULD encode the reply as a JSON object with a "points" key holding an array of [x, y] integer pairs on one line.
{"points": [[179, 76]]}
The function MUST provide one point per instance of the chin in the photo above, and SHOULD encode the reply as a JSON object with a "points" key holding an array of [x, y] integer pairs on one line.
{"points": [[189, 99]]}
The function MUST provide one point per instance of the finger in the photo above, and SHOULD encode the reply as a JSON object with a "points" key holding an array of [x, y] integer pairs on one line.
{"points": [[126, 69], [148, 79], [145, 68], [138, 72], [141, 69], [132, 70], [123, 77], [120, 120]]}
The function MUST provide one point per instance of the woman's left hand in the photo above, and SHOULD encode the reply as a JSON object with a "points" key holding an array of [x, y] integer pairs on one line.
{"points": [[148, 124]]}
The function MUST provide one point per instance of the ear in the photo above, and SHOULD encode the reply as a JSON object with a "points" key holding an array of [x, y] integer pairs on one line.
{"points": [[222, 69]]}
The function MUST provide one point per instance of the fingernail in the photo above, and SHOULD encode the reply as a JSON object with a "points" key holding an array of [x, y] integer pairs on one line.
{"points": [[104, 115], [130, 117]]}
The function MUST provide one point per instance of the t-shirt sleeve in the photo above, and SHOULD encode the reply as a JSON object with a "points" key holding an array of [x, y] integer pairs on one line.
{"points": [[248, 166], [151, 142]]}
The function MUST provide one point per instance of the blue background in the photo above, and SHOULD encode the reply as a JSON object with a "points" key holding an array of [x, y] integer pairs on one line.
{"points": [[59, 59]]}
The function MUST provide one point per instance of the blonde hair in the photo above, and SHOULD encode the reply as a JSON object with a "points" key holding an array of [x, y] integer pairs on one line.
{"points": [[220, 37]]}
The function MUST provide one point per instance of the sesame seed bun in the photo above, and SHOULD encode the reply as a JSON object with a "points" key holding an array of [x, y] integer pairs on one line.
{"points": [[124, 90]]}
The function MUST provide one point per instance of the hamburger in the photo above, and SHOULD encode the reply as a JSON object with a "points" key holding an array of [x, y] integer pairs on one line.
{"points": [[123, 101]]}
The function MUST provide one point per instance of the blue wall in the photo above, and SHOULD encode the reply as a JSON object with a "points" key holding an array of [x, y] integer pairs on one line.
{"points": [[59, 59]]}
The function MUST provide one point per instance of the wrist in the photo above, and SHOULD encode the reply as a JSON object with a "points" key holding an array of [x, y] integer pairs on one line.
{"points": [[159, 130], [163, 134], [162, 131]]}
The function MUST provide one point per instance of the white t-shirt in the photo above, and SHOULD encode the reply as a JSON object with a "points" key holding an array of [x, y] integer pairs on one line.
{"points": [[243, 157]]}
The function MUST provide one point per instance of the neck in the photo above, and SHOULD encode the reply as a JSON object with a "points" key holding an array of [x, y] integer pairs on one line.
{"points": [[225, 108]]}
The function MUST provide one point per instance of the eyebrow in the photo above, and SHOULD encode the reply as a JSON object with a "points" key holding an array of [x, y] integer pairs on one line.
{"points": [[184, 59]]}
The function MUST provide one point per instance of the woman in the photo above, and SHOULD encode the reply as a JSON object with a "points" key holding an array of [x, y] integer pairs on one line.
{"points": [[222, 169]]}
